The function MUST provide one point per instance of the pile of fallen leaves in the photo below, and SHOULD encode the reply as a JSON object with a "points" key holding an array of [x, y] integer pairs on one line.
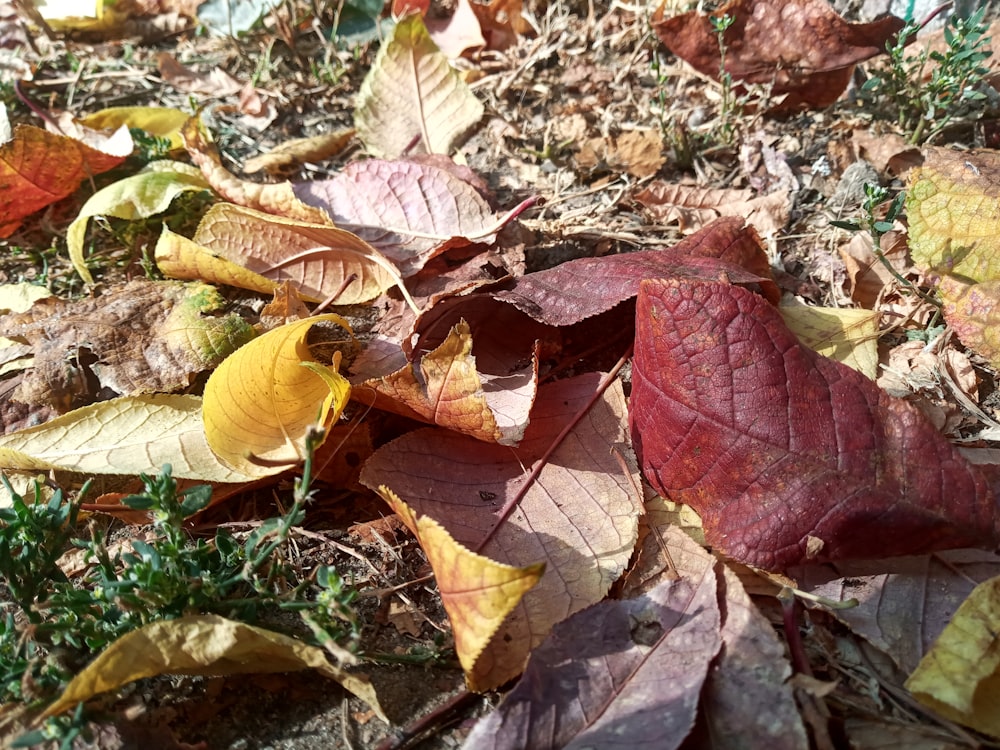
{"points": [[601, 460]]}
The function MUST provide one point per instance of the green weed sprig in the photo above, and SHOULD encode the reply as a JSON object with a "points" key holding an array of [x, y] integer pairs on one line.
{"points": [[955, 89]]}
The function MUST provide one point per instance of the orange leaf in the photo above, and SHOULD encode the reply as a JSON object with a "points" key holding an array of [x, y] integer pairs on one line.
{"points": [[38, 168], [477, 592]]}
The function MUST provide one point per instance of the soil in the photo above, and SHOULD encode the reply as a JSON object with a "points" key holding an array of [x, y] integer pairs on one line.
{"points": [[587, 75]]}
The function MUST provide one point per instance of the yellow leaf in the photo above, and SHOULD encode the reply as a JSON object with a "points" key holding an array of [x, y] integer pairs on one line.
{"points": [[164, 122], [127, 435], [181, 258], [847, 335], [477, 592], [136, 197], [20, 297], [203, 645], [260, 403], [960, 676]]}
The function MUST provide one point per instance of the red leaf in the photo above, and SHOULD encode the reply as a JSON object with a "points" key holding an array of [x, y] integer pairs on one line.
{"points": [[786, 455], [802, 46]]}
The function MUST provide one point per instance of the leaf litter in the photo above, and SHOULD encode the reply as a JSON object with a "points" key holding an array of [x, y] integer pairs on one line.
{"points": [[527, 489]]}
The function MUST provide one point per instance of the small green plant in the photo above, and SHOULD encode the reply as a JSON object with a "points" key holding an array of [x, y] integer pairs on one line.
{"points": [[923, 108], [729, 109], [51, 626], [876, 196]]}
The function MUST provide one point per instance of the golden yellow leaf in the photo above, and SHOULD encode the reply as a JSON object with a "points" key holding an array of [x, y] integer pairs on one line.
{"points": [[960, 676], [261, 402], [181, 258], [203, 645], [164, 122], [127, 435], [847, 335], [478, 593]]}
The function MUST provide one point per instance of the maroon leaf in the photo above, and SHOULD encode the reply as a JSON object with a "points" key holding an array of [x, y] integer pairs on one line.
{"points": [[619, 674], [788, 456], [802, 48]]}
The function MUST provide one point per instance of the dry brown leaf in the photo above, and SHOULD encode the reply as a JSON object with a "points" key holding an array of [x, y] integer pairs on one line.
{"points": [[694, 207], [290, 155]]}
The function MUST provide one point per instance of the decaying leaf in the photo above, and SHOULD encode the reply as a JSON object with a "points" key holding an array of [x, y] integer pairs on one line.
{"points": [[203, 645], [786, 455], [180, 258], [292, 154], [261, 402], [38, 168], [128, 435], [139, 196], [477, 592], [960, 676], [692, 208], [626, 673], [574, 508], [413, 94], [177, 330], [802, 47], [277, 199], [447, 390]]}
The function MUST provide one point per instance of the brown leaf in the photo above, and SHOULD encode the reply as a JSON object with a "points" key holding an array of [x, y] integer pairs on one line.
{"points": [[786, 455], [171, 326], [802, 46], [274, 199], [621, 673], [290, 155], [904, 603], [692, 208]]}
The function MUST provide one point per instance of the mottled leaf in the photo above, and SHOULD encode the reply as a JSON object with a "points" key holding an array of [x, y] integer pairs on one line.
{"points": [[412, 94], [786, 455]]}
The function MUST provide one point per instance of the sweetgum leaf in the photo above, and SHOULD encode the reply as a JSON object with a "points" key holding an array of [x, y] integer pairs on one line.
{"points": [[786, 455]]}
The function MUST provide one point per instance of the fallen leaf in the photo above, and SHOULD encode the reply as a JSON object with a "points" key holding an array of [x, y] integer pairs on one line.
{"points": [[692, 208], [903, 603], [261, 401], [477, 593], [579, 515], [21, 296], [38, 168], [456, 34], [130, 435], [847, 335], [636, 152], [788, 456], [960, 676], [447, 390], [278, 199], [802, 48], [203, 645], [322, 261], [408, 210], [178, 330], [139, 196], [412, 94], [164, 122], [180, 258], [620, 673], [215, 83], [290, 155]]}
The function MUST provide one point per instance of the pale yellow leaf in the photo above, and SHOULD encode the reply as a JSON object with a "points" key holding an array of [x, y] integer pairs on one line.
{"points": [[847, 335]]}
